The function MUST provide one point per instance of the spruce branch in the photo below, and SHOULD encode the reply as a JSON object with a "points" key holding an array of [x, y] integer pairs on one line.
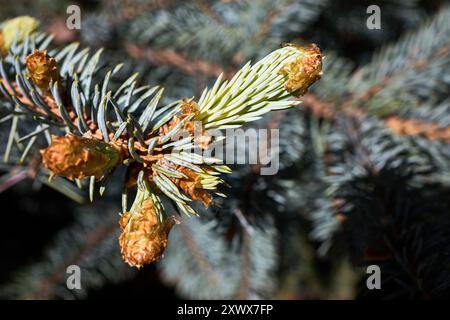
{"points": [[177, 60], [222, 107], [414, 67], [222, 37], [97, 128], [412, 127], [363, 163]]}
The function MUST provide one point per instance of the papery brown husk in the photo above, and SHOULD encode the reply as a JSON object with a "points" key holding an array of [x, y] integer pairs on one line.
{"points": [[144, 239], [302, 72], [76, 157]]}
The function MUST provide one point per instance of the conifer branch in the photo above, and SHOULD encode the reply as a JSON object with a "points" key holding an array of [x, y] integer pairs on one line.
{"points": [[177, 60], [98, 128]]}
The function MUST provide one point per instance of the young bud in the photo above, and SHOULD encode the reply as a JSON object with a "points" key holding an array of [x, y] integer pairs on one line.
{"points": [[76, 157], [260, 88], [144, 238], [42, 69], [16, 29]]}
